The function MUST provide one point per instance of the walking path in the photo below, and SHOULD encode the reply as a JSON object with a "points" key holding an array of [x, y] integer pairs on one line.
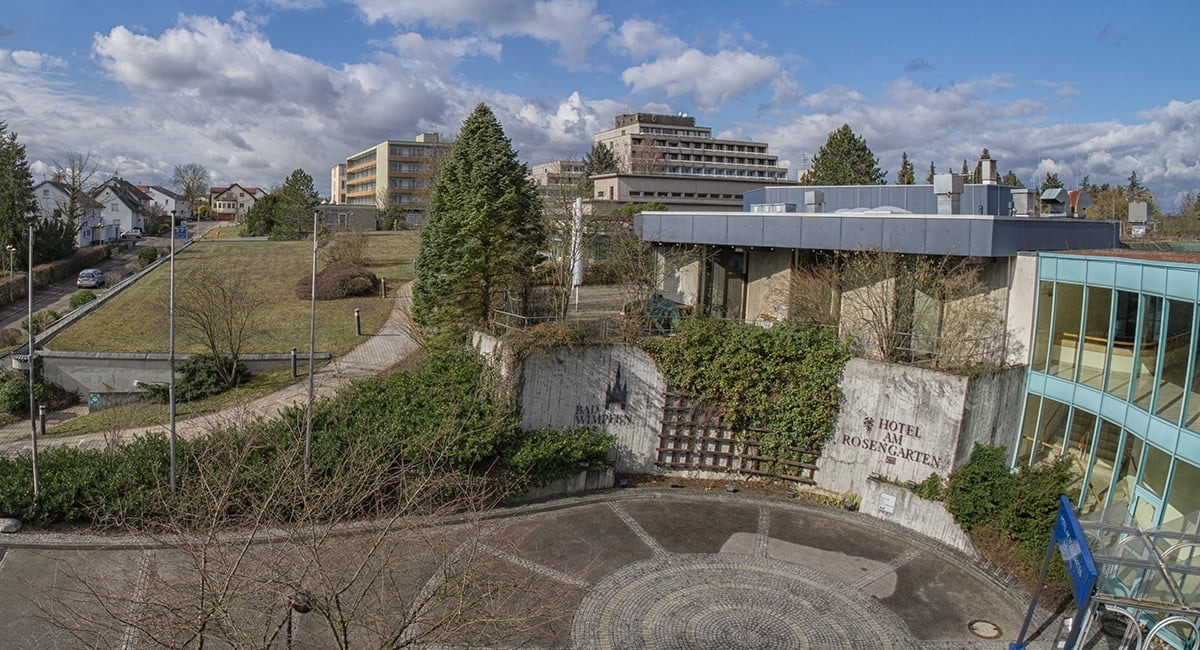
{"points": [[621, 570], [390, 344]]}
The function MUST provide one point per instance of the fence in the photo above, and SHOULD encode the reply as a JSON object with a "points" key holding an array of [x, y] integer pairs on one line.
{"points": [[695, 437]]}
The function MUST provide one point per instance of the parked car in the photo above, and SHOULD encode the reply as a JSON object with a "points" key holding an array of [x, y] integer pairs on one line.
{"points": [[90, 279], [132, 233]]}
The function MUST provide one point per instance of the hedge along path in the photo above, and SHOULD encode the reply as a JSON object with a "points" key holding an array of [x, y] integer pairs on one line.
{"points": [[389, 345]]}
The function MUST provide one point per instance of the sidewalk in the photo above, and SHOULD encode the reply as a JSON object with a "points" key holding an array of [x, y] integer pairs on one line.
{"points": [[379, 352]]}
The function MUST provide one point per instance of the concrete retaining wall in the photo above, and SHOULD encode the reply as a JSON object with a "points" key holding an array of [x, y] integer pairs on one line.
{"points": [[110, 372], [587, 480], [899, 505], [614, 388], [896, 421]]}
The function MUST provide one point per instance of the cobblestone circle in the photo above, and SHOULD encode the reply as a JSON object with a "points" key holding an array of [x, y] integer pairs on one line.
{"points": [[728, 602]]}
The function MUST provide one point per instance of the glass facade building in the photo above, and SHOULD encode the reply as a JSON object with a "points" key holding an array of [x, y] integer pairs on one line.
{"points": [[1112, 381]]}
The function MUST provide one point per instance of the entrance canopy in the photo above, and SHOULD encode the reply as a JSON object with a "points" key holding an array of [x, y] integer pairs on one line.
{"points": [[1150, 576]]}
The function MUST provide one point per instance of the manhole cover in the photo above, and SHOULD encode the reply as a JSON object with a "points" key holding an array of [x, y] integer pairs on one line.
{"points": [[984, 629]]}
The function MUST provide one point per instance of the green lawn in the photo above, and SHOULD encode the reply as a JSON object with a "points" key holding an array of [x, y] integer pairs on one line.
{"points": [[137, 319]]}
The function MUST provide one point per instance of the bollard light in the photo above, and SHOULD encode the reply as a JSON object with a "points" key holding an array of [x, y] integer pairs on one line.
{"points": [[357, 322]]}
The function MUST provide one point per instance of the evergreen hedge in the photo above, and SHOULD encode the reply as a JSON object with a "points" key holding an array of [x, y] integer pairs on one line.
{"points": [[369, 444]]}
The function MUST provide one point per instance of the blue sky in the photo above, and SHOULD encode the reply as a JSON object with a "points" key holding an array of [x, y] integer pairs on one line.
{"points": [[254, 89]]}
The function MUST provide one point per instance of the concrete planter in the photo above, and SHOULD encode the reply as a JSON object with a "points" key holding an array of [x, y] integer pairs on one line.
{"points": [[589, 479]]}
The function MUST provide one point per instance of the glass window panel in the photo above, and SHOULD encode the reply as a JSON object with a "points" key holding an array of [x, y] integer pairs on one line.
{"points": [[1158, 463], [1127, 472], [1041, 336], [1064, 343], [1028, 429], [1146, 364], [1192, 418], [1120, 364], [1095, 337], [1184, 497], [1176, 351], [1102, 468], [1079, 446], [1052, 430]]}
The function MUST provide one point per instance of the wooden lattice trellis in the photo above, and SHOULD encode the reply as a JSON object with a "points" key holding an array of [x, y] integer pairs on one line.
{"points": [[695, 437]]}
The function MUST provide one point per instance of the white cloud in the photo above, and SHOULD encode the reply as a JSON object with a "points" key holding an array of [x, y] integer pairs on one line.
{"points": [[30, 60], [643, 38], [948, 125], [445, 53], [573, 25], [711, 80]]}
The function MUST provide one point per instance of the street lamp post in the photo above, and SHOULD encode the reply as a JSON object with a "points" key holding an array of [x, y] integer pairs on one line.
{"points": [[171, 354], [32, 399], [312, 341], [11, 271]]}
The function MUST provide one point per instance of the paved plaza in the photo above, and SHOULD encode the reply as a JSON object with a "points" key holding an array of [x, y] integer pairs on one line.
{"points": [[627, 569]]}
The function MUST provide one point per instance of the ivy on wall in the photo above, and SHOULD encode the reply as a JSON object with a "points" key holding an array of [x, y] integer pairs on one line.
{"points": [[783, 378]]}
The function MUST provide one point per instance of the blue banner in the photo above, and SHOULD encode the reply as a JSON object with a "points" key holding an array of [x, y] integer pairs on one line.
{"points": [[1081, 568]]}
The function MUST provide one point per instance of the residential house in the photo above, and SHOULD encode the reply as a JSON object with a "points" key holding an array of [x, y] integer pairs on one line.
{"points": [[53, 199], [231, 203], [169, 201], [124, 205]]}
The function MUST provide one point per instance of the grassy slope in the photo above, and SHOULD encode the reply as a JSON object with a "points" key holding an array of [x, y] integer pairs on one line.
{"points": [[142, 309], [136, 320]]}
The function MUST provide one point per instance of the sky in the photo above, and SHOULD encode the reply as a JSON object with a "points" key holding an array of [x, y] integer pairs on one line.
{"points": [[253, 89]]}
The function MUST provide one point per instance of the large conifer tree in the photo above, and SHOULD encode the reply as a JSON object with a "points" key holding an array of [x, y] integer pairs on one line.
{"points": [[907, 175], [484, 233], [845, 159], [17, 202]]}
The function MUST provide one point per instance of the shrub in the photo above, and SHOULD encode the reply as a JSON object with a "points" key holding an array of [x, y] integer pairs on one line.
{"points": [[14, 395], [978, 491], [337, 281], [147, 255], [11, 336], [347, 248], [543, 456], [196, 378], [1028, 517], [41, 321], [81, 298], [931, 488]]}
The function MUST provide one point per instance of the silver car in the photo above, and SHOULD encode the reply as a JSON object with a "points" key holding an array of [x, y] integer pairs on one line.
{"points": [[90, 279]]}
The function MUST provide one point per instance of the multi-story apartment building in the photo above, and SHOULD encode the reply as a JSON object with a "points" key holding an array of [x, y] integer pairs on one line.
{"points": [[337, 184], [396, 173], [668, 159], [557, 181]]}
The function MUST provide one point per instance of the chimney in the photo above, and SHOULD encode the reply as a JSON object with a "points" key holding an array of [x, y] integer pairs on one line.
{"points": [[948, 188], [987, 171]]}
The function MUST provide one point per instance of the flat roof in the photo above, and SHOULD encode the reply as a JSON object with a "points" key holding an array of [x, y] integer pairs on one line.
{"points": [[964, 235]]}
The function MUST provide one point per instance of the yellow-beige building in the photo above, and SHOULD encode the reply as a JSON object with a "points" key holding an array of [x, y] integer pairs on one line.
{"points": [[396, 173]]}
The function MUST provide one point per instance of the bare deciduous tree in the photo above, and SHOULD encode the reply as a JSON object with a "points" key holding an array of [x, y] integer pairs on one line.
{"points": [[903, 307], [217, 309], [237, 566]]}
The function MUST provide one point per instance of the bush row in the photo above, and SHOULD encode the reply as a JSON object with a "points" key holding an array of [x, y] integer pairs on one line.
{"points": [[377, 447]]}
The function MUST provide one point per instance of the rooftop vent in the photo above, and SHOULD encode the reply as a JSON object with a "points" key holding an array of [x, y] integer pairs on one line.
{"points": [[1056, 202]]}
